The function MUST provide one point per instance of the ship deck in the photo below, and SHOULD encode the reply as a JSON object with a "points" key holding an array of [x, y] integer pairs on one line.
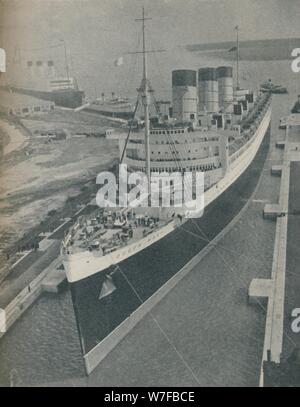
{"points": [[105, 231], [249, 124]]}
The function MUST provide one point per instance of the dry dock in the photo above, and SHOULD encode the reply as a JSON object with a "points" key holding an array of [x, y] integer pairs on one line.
{"points": [[280, 364], [203, 332]]}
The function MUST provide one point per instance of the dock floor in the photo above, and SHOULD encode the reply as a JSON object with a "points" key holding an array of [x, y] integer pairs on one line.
{"points": [[292, 292], [286, 370]]}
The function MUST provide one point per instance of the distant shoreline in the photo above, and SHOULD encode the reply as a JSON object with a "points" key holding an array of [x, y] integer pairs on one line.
{"points": [[254, 50]]}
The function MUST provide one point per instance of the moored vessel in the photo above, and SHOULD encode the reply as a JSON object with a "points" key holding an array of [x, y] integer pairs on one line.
{"points": [[117, 258], [116, 106], [269, 86], [40, 79]]}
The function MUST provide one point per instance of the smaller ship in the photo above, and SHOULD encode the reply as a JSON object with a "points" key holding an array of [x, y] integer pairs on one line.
{"points": [[270, 87], [40, 80], [116, 106]]}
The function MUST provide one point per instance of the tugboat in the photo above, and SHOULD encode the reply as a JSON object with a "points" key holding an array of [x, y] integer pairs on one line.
{"points": [[270, 87]]}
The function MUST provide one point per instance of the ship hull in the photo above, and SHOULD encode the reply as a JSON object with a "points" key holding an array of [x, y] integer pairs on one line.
{"points": [[70, 98], [138, 277], [126, 115]]}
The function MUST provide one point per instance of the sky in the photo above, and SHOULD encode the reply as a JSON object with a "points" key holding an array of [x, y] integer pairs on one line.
{"points": [[98, 31], [111, 24]]}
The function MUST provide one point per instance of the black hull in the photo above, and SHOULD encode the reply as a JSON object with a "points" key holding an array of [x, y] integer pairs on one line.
{"points": [[117, 115], [66, 98], [148, 270]]}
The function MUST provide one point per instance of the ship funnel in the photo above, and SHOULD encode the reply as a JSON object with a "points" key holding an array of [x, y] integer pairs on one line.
{"points": [[30, 68], [208, 90], [225, 83], [184, 95], [51, 69], [39, 68]]}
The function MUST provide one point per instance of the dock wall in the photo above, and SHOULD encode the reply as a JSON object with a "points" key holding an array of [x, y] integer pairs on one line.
{"points": [[25, 298], [273, 289]]}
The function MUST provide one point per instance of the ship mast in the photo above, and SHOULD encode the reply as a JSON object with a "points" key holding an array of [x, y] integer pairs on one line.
{"points": [[66, 60], [145, 95], [237, 58]]}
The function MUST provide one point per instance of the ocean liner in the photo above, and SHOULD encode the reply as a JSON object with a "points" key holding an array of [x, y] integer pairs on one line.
{"points": [[115, 106], [116, 259], [40, 79]]}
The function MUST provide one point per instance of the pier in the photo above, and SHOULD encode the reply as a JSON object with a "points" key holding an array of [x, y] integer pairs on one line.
{"points": [[46, 281], [280, 289], [35, 273]]}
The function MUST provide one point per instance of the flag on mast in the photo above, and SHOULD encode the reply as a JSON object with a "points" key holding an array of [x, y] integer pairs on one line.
{"points": [[119, 61], [235, 47]]}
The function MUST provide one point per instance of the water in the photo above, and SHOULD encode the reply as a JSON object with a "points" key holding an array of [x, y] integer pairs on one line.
{"points": [[43, 346]]}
